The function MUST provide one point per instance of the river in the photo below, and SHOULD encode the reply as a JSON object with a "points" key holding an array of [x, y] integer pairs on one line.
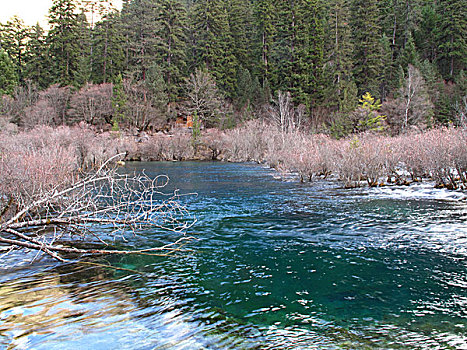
{"points": [[276, 265]]}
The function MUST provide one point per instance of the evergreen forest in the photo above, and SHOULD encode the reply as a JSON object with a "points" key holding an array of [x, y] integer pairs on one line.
{"points": [[232, 60]]}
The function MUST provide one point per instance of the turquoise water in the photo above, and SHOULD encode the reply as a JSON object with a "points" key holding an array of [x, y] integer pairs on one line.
{"points": [[276, 265]]}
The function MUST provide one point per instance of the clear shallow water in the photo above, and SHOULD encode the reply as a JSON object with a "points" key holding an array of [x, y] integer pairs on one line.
{"points": [[277, 265]]}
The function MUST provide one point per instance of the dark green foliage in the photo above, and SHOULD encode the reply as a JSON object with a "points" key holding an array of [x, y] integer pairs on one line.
{"points": [[8, 77], [298, 52], [119, 100], [213, 42], [108, 49], [338, 75], [409, 54], [248, 89], [241, 26], [452, 37], [425, 33], [326, 53], [140, 31], [157, 88], [368, 63], [64, 42], [14, 37], [36, 61], [265, 17], [171, 54]]}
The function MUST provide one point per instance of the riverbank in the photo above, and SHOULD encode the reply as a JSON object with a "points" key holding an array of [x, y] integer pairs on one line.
{"points": [[44, 156]]}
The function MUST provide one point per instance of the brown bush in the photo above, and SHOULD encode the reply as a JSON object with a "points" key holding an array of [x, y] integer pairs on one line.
{"points": [[38, 161], [49, 109], [92, 104]]}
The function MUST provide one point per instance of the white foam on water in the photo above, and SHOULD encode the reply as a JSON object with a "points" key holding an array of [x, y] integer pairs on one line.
{"points": [[418, 191]]}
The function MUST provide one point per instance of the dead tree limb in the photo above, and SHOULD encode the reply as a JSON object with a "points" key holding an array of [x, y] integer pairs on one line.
{"points": [[110, 202]]}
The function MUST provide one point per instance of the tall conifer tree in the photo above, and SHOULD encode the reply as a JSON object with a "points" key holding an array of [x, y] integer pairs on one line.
{"points": [[14, 37], [367, 46], [452, 37], [64, 41], [172, 50], [36, 59]]}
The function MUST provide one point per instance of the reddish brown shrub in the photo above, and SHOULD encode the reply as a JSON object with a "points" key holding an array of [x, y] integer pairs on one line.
{"points": [[49, 109], [92, 104]]}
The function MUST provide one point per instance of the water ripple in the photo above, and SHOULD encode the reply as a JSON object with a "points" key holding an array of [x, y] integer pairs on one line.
{"points": [[278, 265]]}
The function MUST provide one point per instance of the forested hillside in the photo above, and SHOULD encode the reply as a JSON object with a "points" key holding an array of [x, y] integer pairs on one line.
{"points": [[232, 60]]}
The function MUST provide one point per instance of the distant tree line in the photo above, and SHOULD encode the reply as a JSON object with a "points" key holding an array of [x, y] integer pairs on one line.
{"points": [[150, 56]]}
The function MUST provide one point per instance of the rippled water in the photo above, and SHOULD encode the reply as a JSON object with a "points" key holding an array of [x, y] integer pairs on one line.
{"points": [[277, 265]]}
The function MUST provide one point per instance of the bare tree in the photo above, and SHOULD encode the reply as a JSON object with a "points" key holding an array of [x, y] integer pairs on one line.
{"points": [[141, 111], [93, 104], [461, 111], [285, 116], [105, 201], [204, 97], [413, 106], [49, 108]]}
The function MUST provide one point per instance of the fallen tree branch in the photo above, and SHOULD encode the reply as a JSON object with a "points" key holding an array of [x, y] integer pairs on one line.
{"points": [[107, 201]]}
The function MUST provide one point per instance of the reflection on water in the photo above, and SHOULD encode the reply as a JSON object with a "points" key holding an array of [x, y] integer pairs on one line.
{"points": [[59, 304], [278, 265]]}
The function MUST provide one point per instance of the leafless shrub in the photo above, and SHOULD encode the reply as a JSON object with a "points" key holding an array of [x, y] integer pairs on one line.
{"points": [[413, 105], [6, 127], [458, 151], [348, 164], [213, 139], [302, 156], [461, 111], [373, 152], [140, 111], [92, 104], [178, 148], [247, 142], [13, 108], [413, 155], [204, 97], [49, 109]]}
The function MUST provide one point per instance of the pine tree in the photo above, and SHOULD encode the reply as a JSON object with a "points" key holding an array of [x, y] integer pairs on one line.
{"points": [[282, 52], [240, 17], [312, 17], [409, 54], [63, 41], [299, 50], [425, 33], [36, 62], [265, 18], [452, 34], [14, 37], [84, 69], [108, 49], [140, 31], [8, 77], [119, 100], [390, 77], [213, 43], [173, 46], [367, 46], [339, 77], [158, 89]]}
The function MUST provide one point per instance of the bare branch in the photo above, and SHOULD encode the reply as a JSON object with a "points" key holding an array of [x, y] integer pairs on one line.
{"points": [[113, 203]]}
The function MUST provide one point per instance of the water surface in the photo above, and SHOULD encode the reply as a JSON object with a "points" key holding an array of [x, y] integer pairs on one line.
{"points": [[277, 265]]}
